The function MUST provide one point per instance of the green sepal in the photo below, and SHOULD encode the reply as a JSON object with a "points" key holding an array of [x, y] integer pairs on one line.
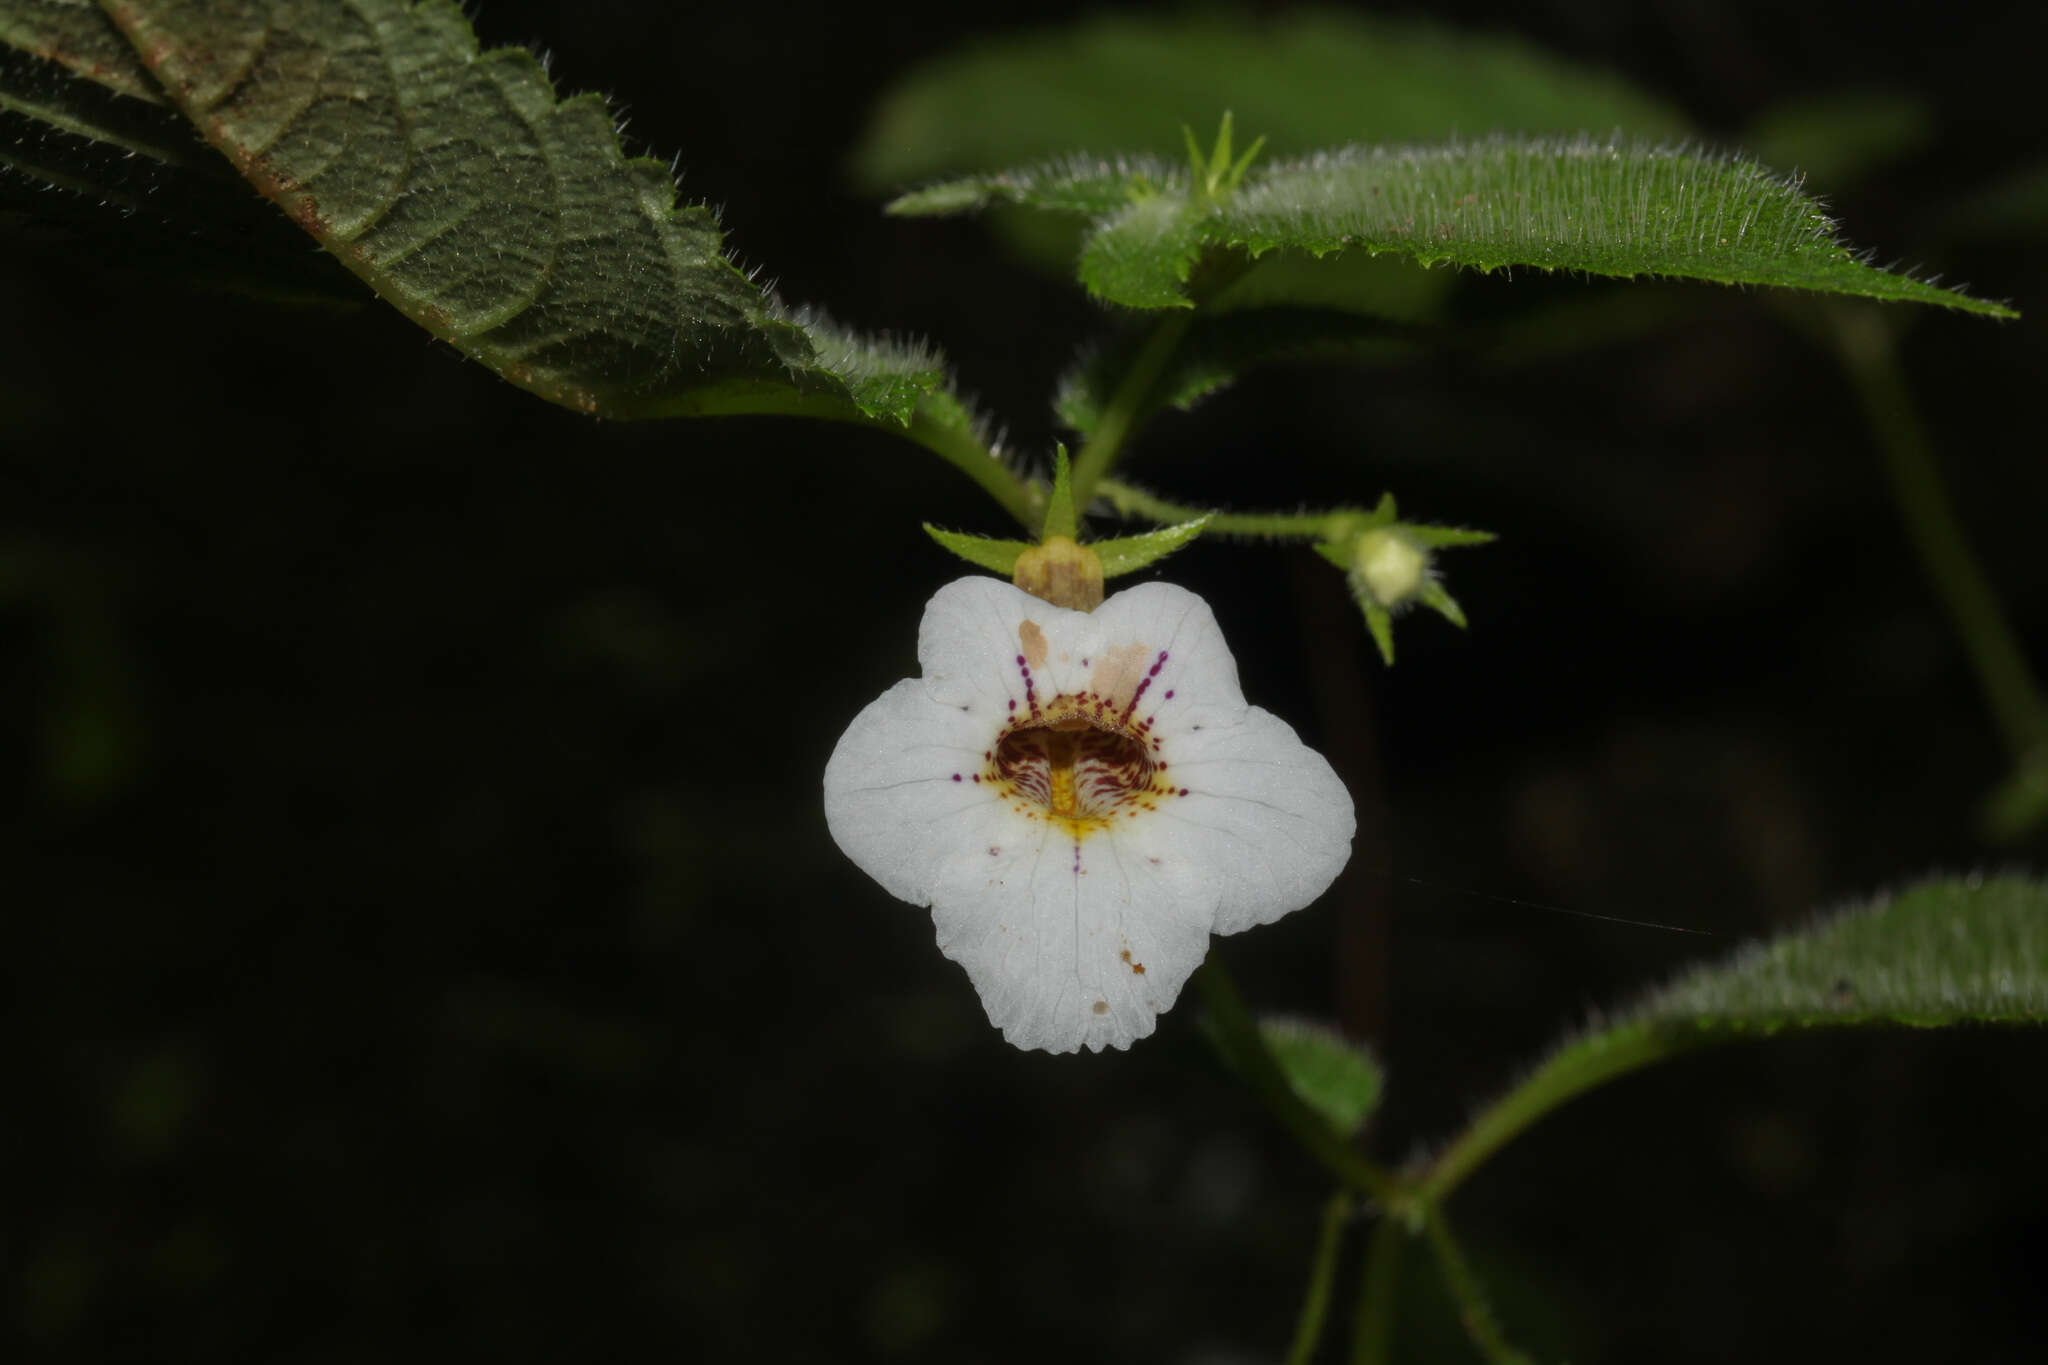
{"points": [[998, 556], [1432, 595], [1337, 552], [1060, 519], [1380, 623], [1441, 537], [1332, 1075], [1126, 554]]}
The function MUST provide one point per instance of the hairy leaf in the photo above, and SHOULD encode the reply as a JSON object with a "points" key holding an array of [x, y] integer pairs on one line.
{"points": [[1954, 951], [1304, 79], [1128, 554], [999, 556], [65, 131], [505, 220], [1603, 208], [76, 35], [1333, 1076]]}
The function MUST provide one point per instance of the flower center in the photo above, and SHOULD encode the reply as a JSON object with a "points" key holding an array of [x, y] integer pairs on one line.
{"points": [[1079, 774]]}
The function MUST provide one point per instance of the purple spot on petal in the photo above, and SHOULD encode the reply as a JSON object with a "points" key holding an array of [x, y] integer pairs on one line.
{"points": [[1169, 694], [956, 777]]}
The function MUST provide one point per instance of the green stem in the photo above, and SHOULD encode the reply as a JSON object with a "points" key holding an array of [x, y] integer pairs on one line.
{"points": [[1136, 502], [967, 454], [1865, 343], [1237, 1038], [1315, 1306], [1372, 1330], [1568, 1073], [1128, 406], [1472, 1306], [948, 440]]}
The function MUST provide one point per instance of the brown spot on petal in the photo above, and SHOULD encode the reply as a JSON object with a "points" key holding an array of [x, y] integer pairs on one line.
{"points": [[1033, 640], [1102, 1007], [1118, 673]]}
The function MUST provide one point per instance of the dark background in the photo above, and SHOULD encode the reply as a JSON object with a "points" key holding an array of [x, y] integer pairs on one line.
{"points": [[422, 931]]}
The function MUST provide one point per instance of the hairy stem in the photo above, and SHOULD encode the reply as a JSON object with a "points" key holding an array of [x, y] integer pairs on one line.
{"points": [[1542, 1090], [1473, 1310], [1136, 502], [965, 453], [1372, 1328], [1315, 1304], [1868, 351], [1128, 406], [1238, 1039], [950, 442]]}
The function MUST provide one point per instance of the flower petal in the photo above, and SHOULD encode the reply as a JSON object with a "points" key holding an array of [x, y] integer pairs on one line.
{"points": [[1264, 820], [1158, 651], [1070, 943], [898, 784], [981, 640], [1001, 652]]}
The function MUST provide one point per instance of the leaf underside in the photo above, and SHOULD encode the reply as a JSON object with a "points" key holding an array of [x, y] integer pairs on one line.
{"points": [[1579, 204], [1970, 950], [457, 185], [75, 35]]}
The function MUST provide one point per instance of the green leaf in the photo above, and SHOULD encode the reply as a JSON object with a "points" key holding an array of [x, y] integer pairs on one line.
{"points": [[510, 223], [1126, 554], [980, 551], [1076, 184], [1305, 79], [1218, 350], [1060, 517], [41, 89], [454, 182], [1601, 208], [1142, 256], [77, 35], [183, 215], [1335, 1077], [1944, 952]]}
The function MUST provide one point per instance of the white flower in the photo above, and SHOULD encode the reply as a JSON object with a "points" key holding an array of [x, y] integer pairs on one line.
{"points": [[1082, 798]]}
